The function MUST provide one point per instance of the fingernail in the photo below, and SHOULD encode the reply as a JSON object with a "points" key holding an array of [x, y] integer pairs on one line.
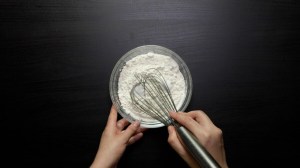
{"points": [[172, 113], [136, 123], [139, 135], [119, 125]]}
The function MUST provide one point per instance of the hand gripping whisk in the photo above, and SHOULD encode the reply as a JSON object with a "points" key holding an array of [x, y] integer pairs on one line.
{"points": [[152, 96]]}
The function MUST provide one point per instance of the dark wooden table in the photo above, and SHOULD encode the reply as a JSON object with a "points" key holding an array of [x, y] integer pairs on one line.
{"points": [[57, 57]]}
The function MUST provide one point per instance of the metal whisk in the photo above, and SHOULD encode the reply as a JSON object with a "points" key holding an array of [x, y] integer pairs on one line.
{"points": [[152, 96]]}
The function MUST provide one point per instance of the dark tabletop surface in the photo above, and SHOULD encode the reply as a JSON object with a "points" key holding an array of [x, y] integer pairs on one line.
{"points": [[57, 57]]}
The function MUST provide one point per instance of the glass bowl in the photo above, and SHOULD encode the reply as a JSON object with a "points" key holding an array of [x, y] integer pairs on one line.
{"points": [[114, 79]]}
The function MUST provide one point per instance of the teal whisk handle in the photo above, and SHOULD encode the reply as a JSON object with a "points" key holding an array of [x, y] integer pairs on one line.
{"points": [[204, 159]]}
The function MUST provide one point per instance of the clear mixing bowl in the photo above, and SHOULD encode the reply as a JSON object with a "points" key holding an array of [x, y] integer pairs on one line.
{"points": [[114, 79]]}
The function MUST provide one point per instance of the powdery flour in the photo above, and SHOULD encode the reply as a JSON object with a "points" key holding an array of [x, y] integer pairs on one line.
{"points": [[144, 63]]}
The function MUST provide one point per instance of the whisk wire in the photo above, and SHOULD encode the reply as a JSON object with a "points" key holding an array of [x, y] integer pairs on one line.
{"points": [[145, 107], [164, 91], [156, 100]]}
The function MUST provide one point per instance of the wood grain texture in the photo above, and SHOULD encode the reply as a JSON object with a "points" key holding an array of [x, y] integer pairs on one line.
{"points": [[57, 57]]}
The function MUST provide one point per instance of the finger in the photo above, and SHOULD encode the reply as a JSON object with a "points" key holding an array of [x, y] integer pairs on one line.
{"points": [[135, 138], [200, 117], [202, 132], [112, 118], [131, 130], [187, 122], [121, 124], [141, 129], [174, 141]]}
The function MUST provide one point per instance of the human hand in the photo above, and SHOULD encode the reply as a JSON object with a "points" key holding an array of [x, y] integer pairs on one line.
{"points": [[114, 140], [210, 136]]}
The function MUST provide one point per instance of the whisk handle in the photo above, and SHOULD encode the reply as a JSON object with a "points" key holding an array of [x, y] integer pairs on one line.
{"points": [[204, 159]]}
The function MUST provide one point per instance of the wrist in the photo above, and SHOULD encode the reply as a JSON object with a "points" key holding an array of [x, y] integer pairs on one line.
{"points": [[103, 162]]}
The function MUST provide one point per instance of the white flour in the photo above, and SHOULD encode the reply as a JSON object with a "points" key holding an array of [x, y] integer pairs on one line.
{"points": [[142, 63]]}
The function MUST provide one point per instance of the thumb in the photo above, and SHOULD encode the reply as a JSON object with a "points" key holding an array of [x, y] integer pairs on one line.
{"points": [[173, 139]]}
